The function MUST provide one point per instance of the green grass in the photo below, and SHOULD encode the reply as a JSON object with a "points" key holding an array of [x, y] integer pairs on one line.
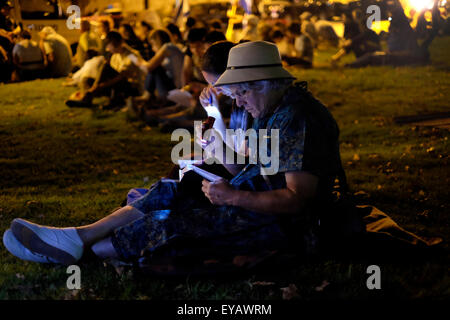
{"points": [[62, 167]]}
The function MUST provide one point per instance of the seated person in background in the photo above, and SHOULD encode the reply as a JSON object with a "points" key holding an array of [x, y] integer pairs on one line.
{"points": [[191, 22], [176, 35], [403, 47], [192, 61], [130, 38], [7, 26], [28, 58], [301, 49], [118, 79], [326, 35], [88, 41], [104, 29], [216, 25], [85, 77], [277, 37], [143, 30], [358, 38], [308, 27], [214, 36], [165, 69], [57, 53], [250, 28]]}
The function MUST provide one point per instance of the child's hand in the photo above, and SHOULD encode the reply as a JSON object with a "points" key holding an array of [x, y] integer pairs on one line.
{"points": [[209, 97]]}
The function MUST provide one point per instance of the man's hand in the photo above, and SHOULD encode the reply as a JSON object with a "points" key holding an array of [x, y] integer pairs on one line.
{"points": [[219, 192]]}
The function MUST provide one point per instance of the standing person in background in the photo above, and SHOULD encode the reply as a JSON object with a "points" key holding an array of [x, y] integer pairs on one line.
{"points": [[58, 55], [88, 41], [28, 58]]}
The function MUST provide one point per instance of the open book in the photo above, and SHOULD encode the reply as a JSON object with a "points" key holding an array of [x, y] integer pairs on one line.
{"points": [[205, 174]]}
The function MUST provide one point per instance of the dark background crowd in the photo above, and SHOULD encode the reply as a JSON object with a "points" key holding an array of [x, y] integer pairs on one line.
{"points": [[123, 58]]}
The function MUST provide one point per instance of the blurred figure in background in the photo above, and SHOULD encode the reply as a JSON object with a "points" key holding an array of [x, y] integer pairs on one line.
{"points": [[130, 38], [250, 28], [177, 37], [28, 58], [88, 41], [57, 52], [118, 79], [165, 69], [326, 36], [277, 37], [403, 47], [192, 61], [214, 36], [104, 29], [143, 30], [216, 25], [190, 23], [6, 41], [358, 38], [307, 27], [301, 49]]}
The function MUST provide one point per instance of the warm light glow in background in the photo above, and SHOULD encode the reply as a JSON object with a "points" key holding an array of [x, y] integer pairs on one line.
{"points": [[419, 5]]}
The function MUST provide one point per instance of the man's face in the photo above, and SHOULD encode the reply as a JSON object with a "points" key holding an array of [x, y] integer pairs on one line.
{"points": [[251, 100]]}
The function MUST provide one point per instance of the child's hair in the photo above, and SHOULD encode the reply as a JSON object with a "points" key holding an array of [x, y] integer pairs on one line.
{"points": [[216, 57]]}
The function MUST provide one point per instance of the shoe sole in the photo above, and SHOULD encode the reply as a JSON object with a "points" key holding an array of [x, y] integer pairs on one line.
{"points": [[77, 104], [12, 245], [33, 243]]}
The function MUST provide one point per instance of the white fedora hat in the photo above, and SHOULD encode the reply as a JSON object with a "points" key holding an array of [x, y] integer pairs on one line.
{"points": [[253, 61]]}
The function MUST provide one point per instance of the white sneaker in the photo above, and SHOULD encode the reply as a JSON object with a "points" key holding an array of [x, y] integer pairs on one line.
{"points": [[18, 250], [64, 239]]}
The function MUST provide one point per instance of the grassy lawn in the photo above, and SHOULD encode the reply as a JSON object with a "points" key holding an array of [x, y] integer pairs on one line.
{"points": [[63, 167]]}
